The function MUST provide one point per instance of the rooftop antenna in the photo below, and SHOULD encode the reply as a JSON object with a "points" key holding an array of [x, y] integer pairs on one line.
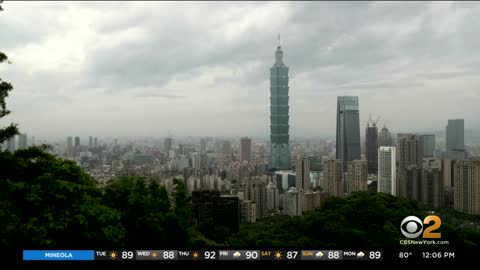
{"points": [[278, 43]]}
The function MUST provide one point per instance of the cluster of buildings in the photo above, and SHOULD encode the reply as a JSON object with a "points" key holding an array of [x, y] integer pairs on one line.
{"points": [[17, 142], [234, 181]]}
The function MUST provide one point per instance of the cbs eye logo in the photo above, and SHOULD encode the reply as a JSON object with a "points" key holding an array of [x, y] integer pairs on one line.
{"points": [[412, 227]]}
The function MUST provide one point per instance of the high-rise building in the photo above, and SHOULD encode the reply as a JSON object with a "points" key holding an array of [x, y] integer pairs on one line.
{"points": [[11, 144], [77, 147], [255, 190], [332, 177], [70, 150], [387, 174], [279, 114], [210, 206], [448, 167], [312, 200], [428, 142], [348, 130], [167, 144], [245, 149], [467, 186], [385, 138], [272, 197], [90, 143], [22, 141], [226, 147], [432, 183], [203, 146], [302, 175], [371, 148], [455, 145], [410, 163], [357, 176], [284, 180], [248, 214], [95, 142], [197, 161], [293, 202]]}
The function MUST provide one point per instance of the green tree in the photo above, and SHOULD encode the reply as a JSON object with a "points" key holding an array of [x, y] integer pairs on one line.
{"points": [[182, 202], [46, 202], [5, 87]]}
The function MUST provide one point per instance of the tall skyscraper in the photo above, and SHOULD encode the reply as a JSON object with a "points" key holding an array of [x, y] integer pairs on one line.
{"points": [[448, 167], [467, 186], [248, 211], [371, 147], [11, 144], [203, 146], [95, 142], [455, 145], [432, 183], [293, 202], [387, 174], [197, 161], [272, 197], [410, 162], [348, 130], [385, 138], [69, 151], [302, 178], [357, 175], [90, 143], [245, 149], [226, 147], [332, 177], [77, 146], [279, 111], [167, 144], [428, 141], [255, 190], [22, 141]]}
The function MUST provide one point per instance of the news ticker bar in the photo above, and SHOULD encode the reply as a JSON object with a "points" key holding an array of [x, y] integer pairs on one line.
{"points": [[201, 255]]}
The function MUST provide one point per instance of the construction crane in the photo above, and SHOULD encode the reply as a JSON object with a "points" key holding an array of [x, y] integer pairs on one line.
{"points": [[376, 121], [371, 121]]}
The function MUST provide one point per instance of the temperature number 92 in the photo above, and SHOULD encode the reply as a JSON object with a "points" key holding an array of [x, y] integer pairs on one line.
{"points": [[210, 255]]}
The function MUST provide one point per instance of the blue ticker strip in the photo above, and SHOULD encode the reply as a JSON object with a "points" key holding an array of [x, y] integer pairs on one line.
{"points": [[58, 255]]}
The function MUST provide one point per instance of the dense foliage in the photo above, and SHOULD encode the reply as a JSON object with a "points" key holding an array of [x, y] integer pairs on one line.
{"points": [[362, 220], [46, 202], [5, 87]]}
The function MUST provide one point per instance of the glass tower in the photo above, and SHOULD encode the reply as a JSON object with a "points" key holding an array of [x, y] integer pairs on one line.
{"points": [[455, 139], [279, 138], [348, 130], [371, 148]]}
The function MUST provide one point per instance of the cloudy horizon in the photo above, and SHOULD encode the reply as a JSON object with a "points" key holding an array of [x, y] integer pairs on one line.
{"points": [[202, 68]]}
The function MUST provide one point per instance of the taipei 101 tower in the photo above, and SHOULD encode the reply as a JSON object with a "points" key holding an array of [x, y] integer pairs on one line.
{"points": [[279, 138]]}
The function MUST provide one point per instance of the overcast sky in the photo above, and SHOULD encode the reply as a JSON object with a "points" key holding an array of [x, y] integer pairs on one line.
{"points": [[202, 68]]}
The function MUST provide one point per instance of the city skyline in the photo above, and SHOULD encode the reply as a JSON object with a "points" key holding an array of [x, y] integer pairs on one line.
{"points": [[89, 69]]}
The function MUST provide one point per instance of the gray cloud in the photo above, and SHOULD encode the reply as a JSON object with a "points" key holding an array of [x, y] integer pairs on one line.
{"points": [[451, 74], [104, 65]]}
